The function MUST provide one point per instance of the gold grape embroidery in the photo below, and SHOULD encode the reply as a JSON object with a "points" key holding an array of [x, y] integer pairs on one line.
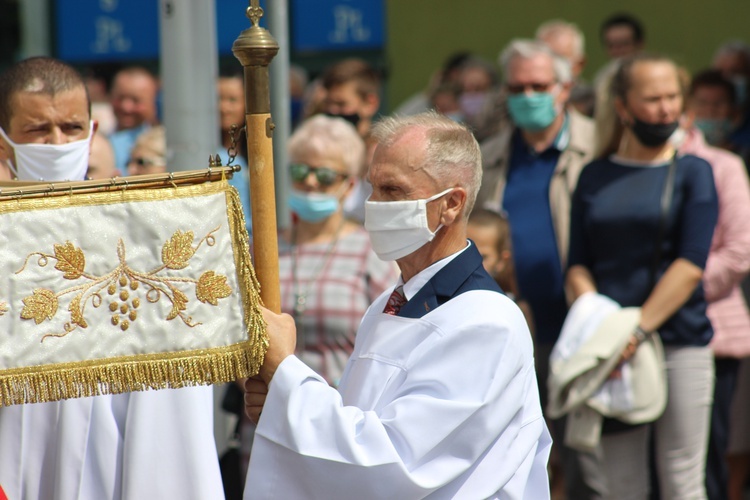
{"points": [[123, 288]]}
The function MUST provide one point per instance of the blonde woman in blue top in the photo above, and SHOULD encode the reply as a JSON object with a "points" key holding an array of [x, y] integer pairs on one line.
{"points": [[616, 221]]}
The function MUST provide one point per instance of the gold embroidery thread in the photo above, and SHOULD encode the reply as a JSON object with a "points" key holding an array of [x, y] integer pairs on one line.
{"points": [[122, 285]]}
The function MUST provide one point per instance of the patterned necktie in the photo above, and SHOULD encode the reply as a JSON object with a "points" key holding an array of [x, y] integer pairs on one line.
{"points": [[395, 301]]}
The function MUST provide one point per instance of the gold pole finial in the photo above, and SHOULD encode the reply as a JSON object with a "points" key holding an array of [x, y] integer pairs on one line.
{"points": [[255, 46], [254, 12]]}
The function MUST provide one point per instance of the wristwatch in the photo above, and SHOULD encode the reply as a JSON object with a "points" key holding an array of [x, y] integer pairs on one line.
{"points": [[641, 334]]}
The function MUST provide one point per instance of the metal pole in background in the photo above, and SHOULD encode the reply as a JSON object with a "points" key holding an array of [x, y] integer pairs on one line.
{"points": [[255, 48], [189, 70], [278, 24], [35, 28]]}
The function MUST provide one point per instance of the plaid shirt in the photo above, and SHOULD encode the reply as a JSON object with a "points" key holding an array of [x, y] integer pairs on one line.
{"points": [[337, 296]]}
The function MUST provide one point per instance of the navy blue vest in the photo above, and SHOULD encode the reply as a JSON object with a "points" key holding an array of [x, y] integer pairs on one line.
{"points": [[462, 274]]}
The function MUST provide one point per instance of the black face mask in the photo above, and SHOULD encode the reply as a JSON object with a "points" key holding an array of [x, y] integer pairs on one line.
{"points": [[653, 134], [352, 118]]}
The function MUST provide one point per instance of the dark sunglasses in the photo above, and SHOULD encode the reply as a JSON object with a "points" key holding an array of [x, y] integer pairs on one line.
{"points": [[535, 87], [143, 162], [324, 175]]}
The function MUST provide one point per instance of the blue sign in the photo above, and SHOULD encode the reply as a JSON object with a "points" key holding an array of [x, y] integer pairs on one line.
{"points": [[324, 25], [107, 30], [117, 30]]}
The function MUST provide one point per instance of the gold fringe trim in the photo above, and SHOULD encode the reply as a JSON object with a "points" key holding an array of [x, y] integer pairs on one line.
{"points": [[214, 365], [249, 284], [210, 366]]}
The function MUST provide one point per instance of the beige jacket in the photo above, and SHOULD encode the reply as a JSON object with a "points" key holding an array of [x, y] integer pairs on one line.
{"points": [[580, 151], [576, 377]]}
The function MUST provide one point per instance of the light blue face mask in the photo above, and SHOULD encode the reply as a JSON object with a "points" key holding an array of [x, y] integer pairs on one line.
{"points": [[532, 112], [312, 207], [715, 131]]}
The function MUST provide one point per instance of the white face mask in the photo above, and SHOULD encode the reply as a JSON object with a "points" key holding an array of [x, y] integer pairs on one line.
{"points": [[399, 228], [51, 162]]}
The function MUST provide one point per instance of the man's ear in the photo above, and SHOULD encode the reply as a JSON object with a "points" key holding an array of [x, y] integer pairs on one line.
{"points": [[455, 202], [564, 95]]}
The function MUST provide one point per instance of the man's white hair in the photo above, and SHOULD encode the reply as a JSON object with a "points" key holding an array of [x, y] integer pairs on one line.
{"points": [[328, 137], [451, 155], [526, 49], [554, 26]]}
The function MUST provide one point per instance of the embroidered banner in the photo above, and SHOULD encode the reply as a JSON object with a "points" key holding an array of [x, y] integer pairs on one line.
{"points": [[125, 290]]}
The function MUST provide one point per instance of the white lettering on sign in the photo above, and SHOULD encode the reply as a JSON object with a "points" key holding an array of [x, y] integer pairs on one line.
{"points": [[348, 26], [109, 36], [108, 5]]}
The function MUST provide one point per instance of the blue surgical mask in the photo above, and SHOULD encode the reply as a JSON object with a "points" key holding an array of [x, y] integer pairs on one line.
{"points": [[716, 131], [312, 207], [532, 112]]}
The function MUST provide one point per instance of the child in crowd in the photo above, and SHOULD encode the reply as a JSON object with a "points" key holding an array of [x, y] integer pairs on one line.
{"points": [[490, 232]]}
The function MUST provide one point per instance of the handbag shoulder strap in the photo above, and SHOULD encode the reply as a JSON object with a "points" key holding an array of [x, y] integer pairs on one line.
{"points": [[666, 203]]}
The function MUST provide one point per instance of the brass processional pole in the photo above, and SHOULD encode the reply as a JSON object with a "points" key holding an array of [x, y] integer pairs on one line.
{"points": [[255, 47]]}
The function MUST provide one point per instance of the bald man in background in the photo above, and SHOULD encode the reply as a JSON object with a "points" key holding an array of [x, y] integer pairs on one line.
{"points": [[133, 95]]}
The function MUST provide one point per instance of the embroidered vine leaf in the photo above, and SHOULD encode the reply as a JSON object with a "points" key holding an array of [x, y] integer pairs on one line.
{"points": [[3, 308], [120, 287], [211, 287], [179, 303], [76, 314], [41, 305], [178, 250], [70, 260]]}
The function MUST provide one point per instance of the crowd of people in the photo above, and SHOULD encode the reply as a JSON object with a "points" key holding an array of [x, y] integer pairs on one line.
{"points": [[398, 370]]}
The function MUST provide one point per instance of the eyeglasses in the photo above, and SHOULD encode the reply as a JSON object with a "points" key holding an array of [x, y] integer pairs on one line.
{"points": [[144, 162], [535, 87], [324, 175]]}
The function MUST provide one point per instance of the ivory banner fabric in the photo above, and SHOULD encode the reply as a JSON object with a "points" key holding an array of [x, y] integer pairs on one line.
{"points": [[125, 290]]}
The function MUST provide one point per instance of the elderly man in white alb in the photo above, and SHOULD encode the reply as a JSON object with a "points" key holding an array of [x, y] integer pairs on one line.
{"points": [[439, 398]]}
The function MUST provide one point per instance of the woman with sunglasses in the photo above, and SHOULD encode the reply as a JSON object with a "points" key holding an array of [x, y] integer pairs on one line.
{"points": [[149, 153], [642, 220], [328, 271]]}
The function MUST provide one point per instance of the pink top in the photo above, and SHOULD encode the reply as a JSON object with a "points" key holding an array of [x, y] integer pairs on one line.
{"points": [[729, 258]]}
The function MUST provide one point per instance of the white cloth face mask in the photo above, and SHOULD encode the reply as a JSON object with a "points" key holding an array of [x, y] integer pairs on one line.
{"points": [[399, 228], [51, 162]]}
